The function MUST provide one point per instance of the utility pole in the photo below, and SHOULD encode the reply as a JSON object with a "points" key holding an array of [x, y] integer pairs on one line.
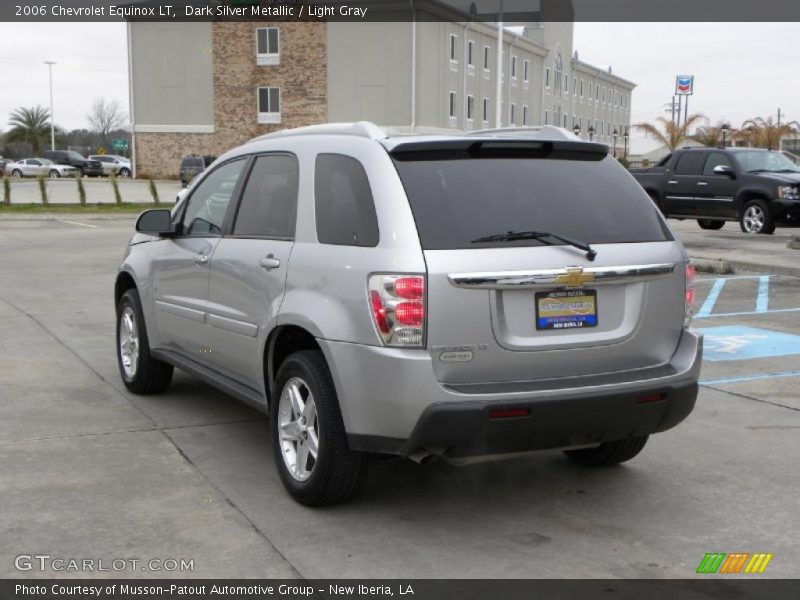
{"points": [[498, 108], [50, 64], [779, 117]]}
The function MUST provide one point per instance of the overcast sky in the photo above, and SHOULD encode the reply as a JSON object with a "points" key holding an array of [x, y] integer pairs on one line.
{"points": [[742, 70]]}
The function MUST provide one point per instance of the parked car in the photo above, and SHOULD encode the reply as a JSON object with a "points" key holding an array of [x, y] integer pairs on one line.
{"points": [[758, 188], [113, 164], [35, 167], [90, 168], [438, 296], [191, 166]]}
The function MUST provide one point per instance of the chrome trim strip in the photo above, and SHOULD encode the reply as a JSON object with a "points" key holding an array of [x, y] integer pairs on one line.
{"points": [[546, 278], [232, 325], [181, 311]]}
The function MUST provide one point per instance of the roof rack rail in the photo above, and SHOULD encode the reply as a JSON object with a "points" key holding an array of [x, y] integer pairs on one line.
{"points": [[545, 132], [363, 129]]}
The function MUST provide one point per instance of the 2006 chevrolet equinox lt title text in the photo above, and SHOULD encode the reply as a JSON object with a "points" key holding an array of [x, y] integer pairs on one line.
{"points": [[455, 296]]}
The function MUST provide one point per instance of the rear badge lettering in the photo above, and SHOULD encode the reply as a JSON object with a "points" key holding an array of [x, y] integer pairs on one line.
{"points": [[456, 357]]}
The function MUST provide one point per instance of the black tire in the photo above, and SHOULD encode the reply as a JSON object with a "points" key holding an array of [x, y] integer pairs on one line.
{"points": [[151, 375], [124, 173], [337, 471], [710, 224], [55, 174], [608, 453], [756, 218], [16, 173]]}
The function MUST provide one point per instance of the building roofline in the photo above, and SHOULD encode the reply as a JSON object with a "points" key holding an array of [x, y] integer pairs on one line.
{"points": [[576, 62]]}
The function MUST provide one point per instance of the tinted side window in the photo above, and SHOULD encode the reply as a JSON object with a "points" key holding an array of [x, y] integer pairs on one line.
{"points": [[664, 160], [716, 159], [690, 163], [205, 212], [269, 202], [344, 208]]}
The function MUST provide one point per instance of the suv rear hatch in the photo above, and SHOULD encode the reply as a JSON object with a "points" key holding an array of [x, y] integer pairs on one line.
{"points": [[503, 310]]}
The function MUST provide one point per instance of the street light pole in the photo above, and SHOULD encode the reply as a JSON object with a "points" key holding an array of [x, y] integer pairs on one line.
{"points": [[724, 135], [615, 133], [50, 64], [591, 132], [625, 137]]}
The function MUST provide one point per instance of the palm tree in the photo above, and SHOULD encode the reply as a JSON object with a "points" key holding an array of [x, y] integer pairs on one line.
{"points": [[711, 135], [673, 133], [29, 125], [766, 133]]}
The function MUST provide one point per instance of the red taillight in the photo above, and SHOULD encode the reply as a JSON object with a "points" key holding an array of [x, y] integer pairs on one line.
{"points": [[688, 312], [509, 413], [649, 398], [379, 312], [398, 308], [410, 288], [409, 313]]}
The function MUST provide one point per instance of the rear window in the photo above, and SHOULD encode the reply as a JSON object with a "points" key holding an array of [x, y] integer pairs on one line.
{"points": [[459, 200], [690, 163]]}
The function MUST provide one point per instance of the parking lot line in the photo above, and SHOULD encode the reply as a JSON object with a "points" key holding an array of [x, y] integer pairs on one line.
{"points": [[747, 313], [743, 378], [76, 223], [762, 299], [711, 300]]}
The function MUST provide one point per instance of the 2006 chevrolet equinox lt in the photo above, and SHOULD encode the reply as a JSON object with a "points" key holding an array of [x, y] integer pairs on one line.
{"points": [[456, 296]]}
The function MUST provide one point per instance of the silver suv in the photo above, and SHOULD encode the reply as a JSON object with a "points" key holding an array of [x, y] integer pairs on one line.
{"points": [[417, 296]]}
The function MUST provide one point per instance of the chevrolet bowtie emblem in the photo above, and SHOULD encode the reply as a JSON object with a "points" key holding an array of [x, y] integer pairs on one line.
{"points": [[574, 278]]}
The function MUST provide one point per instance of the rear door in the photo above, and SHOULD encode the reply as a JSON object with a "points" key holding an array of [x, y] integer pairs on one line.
{"points": [[538, 309], [715, 193], [248, 269], [683, 184]]}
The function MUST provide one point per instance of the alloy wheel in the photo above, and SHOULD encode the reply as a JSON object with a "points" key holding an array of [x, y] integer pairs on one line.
{"points": [[298, 429], [128, 342], [753, 219]]}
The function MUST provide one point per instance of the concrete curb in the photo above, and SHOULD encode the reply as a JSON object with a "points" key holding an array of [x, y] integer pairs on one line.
{"points": [[68, 216], [724, 266]]}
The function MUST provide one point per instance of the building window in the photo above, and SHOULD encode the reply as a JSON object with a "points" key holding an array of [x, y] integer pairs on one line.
{"points": [[513, 118], [485, 110], [565, 122], [574, 86], [470, 54], [525, 68], [546, 117], [596, 92], [268, 47], [566, 84], [470, 108], [269, 105], [453, 105], [581, 88], [525, 115], [513, 67], [547, 77], [453, 48]]}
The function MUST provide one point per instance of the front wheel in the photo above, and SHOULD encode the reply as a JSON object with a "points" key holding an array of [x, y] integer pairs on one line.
{"points": [[55, 174], [124, 173], [309, 442], [755, 218], [16, 173], [710, 224], [141, 373], [608, 453]]}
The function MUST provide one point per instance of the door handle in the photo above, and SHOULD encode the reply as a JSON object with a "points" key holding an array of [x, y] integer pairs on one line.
{"points": [[269, 262], [702, 183], [672, 182], [201, 259]]}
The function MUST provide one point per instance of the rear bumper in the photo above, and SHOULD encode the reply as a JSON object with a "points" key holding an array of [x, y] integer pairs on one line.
{"points": [[391, 403]]}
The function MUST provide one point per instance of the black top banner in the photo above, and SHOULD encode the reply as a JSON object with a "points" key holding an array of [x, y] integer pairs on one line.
{"points": [[508, 11]]}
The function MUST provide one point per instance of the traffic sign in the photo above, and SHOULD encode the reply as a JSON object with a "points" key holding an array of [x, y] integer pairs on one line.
{"points": [[119, 144]]}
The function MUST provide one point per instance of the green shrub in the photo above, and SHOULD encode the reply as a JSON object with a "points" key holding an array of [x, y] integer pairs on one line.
{"points": [[81, 190], [43, 189], [153, 191], [6, 191], [115, 186]]}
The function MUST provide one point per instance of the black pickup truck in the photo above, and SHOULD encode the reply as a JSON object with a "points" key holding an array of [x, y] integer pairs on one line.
{"points": [[758, 188]]}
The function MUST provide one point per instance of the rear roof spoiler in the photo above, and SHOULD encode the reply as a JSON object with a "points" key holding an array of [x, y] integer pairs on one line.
{"points": [[497, 147]]}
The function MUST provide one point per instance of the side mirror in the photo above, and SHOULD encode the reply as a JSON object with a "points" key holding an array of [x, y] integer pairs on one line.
{"points": [[724, 170], [156, 221]]}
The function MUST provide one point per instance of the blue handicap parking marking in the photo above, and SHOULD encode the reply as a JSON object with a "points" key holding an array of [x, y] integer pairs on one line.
{"points": [[740, 343]]}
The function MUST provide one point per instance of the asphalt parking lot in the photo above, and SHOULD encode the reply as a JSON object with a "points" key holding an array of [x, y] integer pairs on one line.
{"points": [[90, 471]]}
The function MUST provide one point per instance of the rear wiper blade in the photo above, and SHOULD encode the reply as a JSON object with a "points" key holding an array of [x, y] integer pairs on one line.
{"points": [[511, 236]]}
